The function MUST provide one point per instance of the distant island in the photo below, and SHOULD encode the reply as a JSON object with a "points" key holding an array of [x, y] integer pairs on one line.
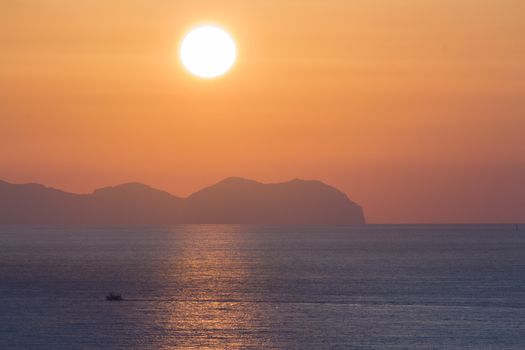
{"points": [[231, 201]]}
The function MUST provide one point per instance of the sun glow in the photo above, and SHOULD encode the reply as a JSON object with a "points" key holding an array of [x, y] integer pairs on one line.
{"points": [[208, 51]]}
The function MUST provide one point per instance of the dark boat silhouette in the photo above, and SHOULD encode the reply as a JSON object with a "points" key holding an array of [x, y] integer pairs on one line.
{"points": [[114, 297]]}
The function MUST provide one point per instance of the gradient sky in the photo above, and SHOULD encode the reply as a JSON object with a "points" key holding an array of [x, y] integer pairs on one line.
{"points": [[414, 108]]}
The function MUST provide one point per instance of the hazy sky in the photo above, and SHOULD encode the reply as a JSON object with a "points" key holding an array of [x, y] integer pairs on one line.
{"points": [[414, 108]]}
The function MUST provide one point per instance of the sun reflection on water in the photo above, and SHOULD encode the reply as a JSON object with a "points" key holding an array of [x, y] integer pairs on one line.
{"points": [[206, 301]]}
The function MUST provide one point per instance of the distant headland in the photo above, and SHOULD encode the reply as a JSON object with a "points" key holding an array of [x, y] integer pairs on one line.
{"points": [[231, 201]]}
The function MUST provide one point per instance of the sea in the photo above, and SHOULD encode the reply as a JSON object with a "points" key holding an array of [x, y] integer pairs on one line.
{"points": [[263, 287]]}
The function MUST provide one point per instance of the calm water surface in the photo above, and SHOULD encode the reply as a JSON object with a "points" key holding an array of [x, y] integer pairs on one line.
{"points": [[263, 287]]}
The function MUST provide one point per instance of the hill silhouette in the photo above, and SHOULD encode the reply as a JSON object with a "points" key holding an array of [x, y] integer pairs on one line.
{"points": [[231, 201]]}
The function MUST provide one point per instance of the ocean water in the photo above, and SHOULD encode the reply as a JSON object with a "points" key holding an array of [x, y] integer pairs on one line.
{"points": [[263, 287]]}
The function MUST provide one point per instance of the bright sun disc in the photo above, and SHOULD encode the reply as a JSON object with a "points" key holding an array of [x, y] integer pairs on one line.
{"points": [[208, 51]]}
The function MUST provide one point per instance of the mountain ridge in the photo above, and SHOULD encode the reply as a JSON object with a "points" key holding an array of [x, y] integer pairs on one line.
{"points": [[233, 200]]}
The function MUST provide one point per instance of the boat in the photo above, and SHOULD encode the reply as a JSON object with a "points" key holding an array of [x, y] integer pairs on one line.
{"points": [[114, 297]]}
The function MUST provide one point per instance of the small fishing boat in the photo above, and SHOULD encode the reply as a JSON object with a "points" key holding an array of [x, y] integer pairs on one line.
{"points": [[114, 297]]}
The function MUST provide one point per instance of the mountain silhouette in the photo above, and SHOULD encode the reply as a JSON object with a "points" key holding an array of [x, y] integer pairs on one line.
{"points": [[231, 201]]}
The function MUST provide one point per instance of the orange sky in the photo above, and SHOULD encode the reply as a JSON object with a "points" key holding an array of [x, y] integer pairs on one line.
{"points": [[414, 108]]}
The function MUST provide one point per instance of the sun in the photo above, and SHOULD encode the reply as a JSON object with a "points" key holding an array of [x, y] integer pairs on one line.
{"points": [[208, 51]]}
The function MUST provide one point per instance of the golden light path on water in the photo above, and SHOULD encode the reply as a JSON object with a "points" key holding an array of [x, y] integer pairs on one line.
{"points": [[208, 308]]}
